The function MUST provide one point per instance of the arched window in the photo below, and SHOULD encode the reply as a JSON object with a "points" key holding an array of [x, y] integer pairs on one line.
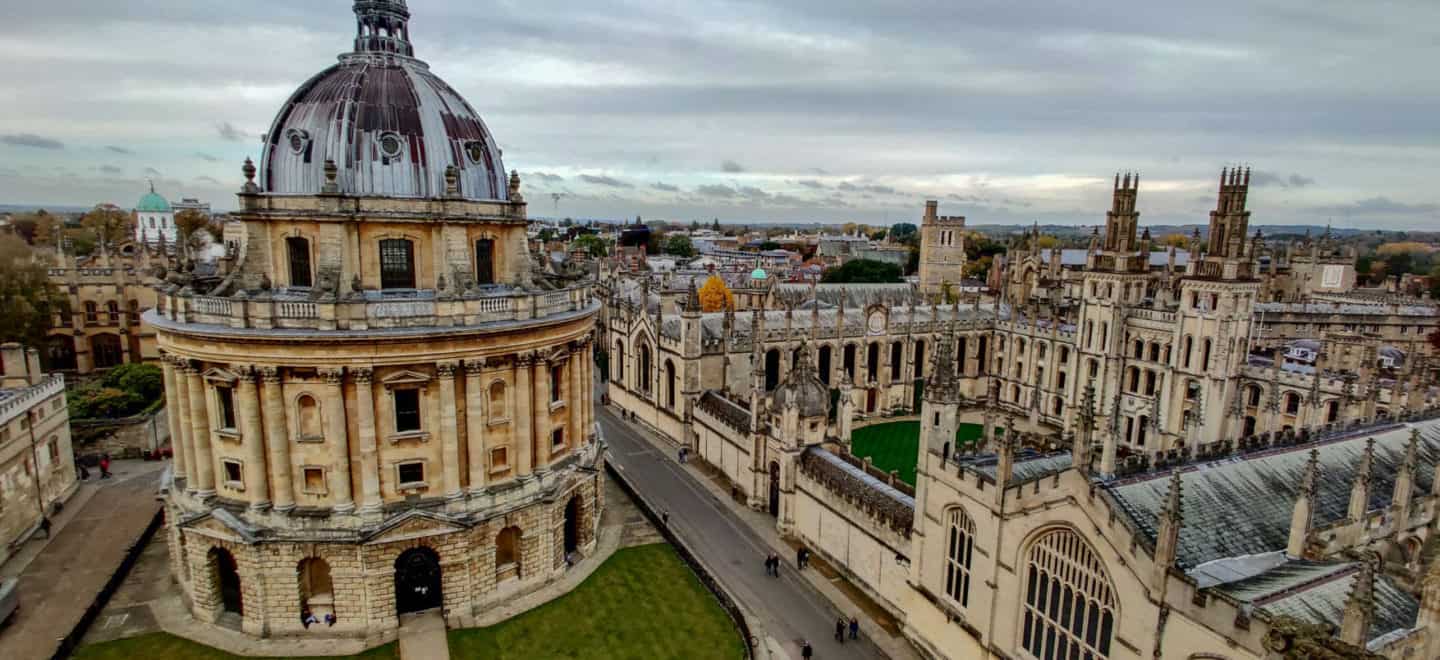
{"points": [[1020, 347], [1134, 379], [1253, 394], [397, 264], [1069, 603], [1154, 352], [960, 550], [497, 400], [644, 368], [671, 384], [298, 250], [105, 351], [872, 362], [112, 312], [897, 357], [308, 418], [317, 592], [1205, 354], [1149, 382], [920, 358], [1332, 412], [507, 550], [1292, 403], [825, 364], [1015, 393], [1104, 334], [1138, 349], [1189, 349], [849, 362], [1057, 406], [772, 369], [1064, 354], [1039, 351], [59, 353], [619, 359]]}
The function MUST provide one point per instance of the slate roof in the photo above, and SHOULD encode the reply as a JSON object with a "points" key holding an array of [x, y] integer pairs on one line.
{"points": [[1345, 308], [1315, 592], [1076, 257], [1029, 465], [1242, 505], [876, 496], [851, 296]]}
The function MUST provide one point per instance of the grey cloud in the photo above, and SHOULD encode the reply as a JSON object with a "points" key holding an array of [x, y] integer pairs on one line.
{"points": [[731, 167], [710, 190], [228, 131], [812, 184], [546, 177], [604, 181], [664, 187], [111, 169], [152, 173], [31, 140], [1261, 179], [207, 157], [119, 150], [847, 187], [880, 190], [752, 192], [1377, 206], [208, 179]]}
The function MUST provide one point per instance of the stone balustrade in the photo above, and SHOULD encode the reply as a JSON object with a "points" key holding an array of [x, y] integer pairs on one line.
{"points": [[370, 311]]}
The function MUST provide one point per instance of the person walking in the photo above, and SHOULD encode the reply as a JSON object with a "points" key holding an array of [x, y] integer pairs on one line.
{"points": [[767, 564], [45, 525], [840, 629], [800, 559], [806, 651], [854, 628], [105, 466], [665, 518], [84, 472]]}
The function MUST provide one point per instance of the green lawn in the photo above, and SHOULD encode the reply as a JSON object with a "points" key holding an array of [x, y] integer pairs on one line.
{"points": [[895, 446], [642, 603], [165, 645]]}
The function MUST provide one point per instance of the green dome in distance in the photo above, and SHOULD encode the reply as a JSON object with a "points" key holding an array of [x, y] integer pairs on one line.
{"points": [[152, 202]]}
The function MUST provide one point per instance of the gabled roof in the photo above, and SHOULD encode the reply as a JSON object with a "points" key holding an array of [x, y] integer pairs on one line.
{"points": [[1242, 505], [1315, 592]]}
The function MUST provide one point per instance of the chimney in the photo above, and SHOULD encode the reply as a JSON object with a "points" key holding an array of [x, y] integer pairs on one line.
{"points": [[932, 209], [12, 358], [32, 366]]}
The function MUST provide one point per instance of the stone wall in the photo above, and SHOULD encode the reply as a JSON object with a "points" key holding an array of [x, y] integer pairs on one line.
{"points": [[129, 437]]}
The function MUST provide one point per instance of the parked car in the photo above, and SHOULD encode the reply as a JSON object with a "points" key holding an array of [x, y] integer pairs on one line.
{"points": [[9, 598]]}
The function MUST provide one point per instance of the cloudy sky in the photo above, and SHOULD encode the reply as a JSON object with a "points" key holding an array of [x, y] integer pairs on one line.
{"points": [[784, 110]]}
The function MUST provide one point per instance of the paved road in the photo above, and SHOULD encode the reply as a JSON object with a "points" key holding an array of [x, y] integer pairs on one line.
{"points": [[788, 607]]}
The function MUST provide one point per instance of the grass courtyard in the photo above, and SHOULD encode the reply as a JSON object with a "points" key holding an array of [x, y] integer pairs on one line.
{"points": [[641, 603], [895, 445]]}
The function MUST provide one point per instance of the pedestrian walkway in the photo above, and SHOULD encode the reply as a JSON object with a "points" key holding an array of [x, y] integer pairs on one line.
{"points": [[422, 637], [61, 576], [817, 626]]}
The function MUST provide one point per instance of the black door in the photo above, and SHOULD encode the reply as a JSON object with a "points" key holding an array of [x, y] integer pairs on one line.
{"points": [[229, 578], [485, 261], [572, 525], [775, 489], [299, 261], [417, 581]]}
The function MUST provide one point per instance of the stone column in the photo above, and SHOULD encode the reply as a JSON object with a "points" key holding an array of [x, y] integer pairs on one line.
{"points": [[172, 417], [253, 438], [577, 396], [521, 415], [181, 412], [449, 438], [200, 432], [475, 424], [338, 439], [365, 424], [542, 414], [588, 358], [277, 437]]}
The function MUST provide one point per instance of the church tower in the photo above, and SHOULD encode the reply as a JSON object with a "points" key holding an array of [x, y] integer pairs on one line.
{"points": [[1217, 300], [942, 250]]}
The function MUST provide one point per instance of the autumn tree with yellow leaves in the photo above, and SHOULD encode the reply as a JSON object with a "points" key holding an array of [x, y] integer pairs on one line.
{"points": [[715, 296]]}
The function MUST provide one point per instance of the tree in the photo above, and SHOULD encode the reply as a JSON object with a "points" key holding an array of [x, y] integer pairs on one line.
{"points": [[679, 246], [37, 227], [849, 228], [1047, 242], [188, 222], [1177, 241], [107, 223], [978, 268], [715, 296], [592, 245], [715, 225], [546, 235], [26, 294], [863, 271], [877, 235], [901, 231], [694, 225]]}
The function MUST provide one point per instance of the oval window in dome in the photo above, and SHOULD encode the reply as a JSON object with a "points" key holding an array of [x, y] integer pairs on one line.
{"points": [[475, 149], [390, 145], [298, 140]]}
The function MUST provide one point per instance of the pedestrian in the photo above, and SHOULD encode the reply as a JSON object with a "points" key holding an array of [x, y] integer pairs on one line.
{"points": [[775, 564], [769, 564], [800, 559], [330, 619], [105, 466], [45, 525], [840, 630], [665, 518], [806, 651], [854, 628], [84, 471], [680, 455], [307, 618]]}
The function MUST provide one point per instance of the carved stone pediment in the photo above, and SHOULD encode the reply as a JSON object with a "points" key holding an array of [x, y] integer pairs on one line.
{"points": [[405, 378], [412, 525], [222, 525], [222, 376]]}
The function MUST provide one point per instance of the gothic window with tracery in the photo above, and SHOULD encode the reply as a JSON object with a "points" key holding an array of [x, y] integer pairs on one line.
{"points": [[1069, 609], [959, 553]]}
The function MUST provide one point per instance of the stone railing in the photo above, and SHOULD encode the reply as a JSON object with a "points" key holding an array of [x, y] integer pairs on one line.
{"points": [[21, 401], [422, 309]]}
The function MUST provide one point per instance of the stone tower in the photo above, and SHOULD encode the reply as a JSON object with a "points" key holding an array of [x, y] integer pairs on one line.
{"points": [[942, 250]]}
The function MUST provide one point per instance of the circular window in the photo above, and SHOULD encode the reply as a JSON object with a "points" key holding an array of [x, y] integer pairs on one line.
{"points": [[475, 149], [390, 145], [298, 140]]}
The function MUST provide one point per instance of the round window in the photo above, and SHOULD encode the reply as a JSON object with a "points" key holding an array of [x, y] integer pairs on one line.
{"points": [[475, 149], [298, 140], [390, 145]]}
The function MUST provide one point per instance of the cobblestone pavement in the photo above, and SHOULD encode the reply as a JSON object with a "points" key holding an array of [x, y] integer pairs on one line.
{"points": [[62, 579]]}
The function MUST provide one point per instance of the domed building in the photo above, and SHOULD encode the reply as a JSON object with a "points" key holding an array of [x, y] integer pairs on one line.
{"points": [[154, 219], [384, 406]]}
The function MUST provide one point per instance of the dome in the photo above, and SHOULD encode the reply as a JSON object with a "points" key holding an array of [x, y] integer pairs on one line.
{"points": [[758, 274], [391, 126], [152, 202], [804, 387]]}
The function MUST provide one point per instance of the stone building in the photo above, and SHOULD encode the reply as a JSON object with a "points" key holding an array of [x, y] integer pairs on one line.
{"points": [[942, 249], [385, 406], [1090, 396], [155, 219], [37, 466], [100, 324]]}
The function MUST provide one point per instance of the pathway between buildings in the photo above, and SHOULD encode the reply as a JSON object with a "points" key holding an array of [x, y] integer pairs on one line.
{"points": [[788, 609], [61, 576], [422, 637]]}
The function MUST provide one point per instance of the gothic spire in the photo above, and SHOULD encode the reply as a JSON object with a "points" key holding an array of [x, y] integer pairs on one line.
{"points": [[1359, 608]]}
